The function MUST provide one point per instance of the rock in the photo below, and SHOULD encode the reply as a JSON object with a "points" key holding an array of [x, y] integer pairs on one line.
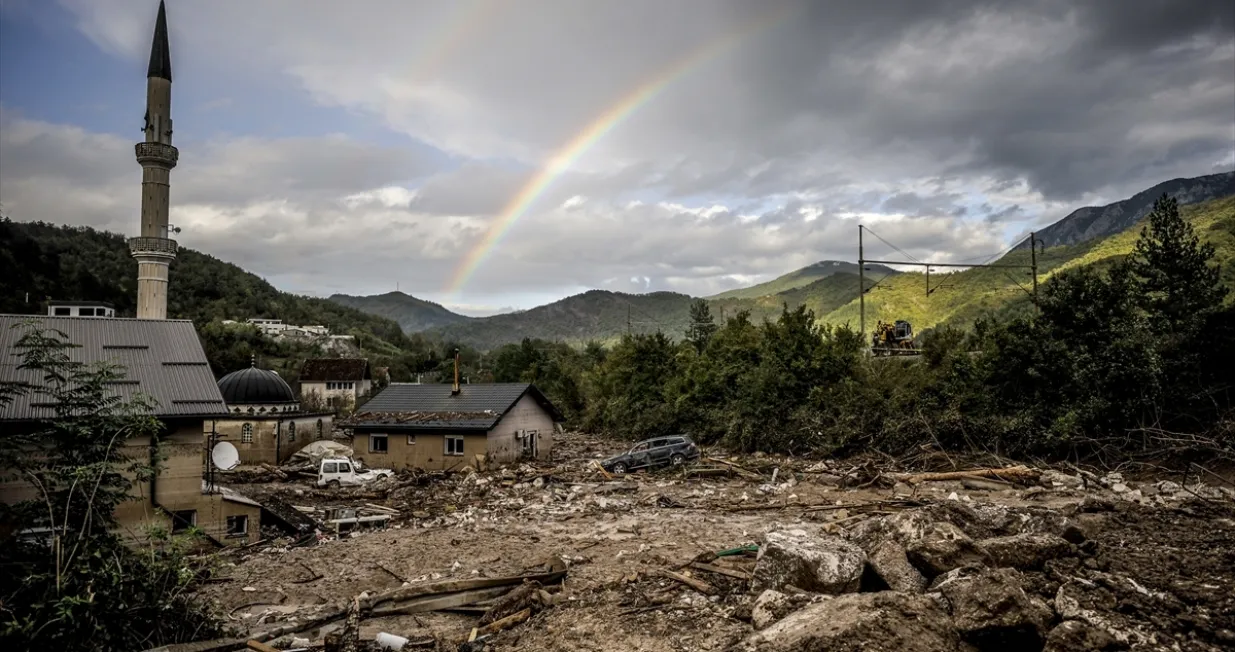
{"points": [[1168, 488], [1026, 551], [991, 611], [823, 564], [936, 557], [1053, 479], [1094, 504], [1077, 636], [890, 563], [906, 528], [860, 621], [770, 607]]}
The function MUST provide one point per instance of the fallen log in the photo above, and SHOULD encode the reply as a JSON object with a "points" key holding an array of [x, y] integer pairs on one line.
{"points": [[1011, 474], [258, 646], [698, 585], [439, 602]]}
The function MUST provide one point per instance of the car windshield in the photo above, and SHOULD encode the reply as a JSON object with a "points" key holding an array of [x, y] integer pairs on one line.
{"points": [[641, 446]]}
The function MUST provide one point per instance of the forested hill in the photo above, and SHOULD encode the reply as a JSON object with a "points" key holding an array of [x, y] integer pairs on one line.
{"points": [[42, 261], [413, 314]]}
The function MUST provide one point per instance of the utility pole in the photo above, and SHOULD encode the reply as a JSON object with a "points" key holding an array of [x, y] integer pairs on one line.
{"points": [[861, 288], [628, 319], [1033, 264]]}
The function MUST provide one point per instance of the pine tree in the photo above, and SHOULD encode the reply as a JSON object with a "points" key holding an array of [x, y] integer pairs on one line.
{"points": [[702, 325], [1180, 285]]}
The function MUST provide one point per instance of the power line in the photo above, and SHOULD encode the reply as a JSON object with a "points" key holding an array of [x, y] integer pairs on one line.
{"points": [[901, 251]]}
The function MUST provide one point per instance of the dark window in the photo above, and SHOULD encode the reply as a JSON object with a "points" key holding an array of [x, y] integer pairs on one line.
{"points": [[454, 445], [183, 520], [291, 431], [319, 428], [330, 467], [378, 444], [85, 312], [344, 467], [237, 526], [246, 433], [63, 312]]}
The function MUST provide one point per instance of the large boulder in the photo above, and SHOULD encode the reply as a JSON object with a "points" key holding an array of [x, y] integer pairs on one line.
{"points": [[934, 557], [891, 564], [1026, 551], [906, 528], [992, 612], [860, 621], [822, 564]]}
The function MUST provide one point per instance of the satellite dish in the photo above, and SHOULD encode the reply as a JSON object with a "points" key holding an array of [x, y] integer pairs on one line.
{"points": [[225, 456]]}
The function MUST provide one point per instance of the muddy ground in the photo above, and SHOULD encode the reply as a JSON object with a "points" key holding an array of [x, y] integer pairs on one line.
{"points": [[1149, 562]]}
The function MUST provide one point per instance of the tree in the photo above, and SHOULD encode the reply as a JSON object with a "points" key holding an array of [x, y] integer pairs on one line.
{"points": [[1180, 285], [702, 326], [78, 587]]}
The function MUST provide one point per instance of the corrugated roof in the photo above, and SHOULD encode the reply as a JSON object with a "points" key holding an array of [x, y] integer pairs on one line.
{"points": [[163, 359], [320, 369], [408, 406]]}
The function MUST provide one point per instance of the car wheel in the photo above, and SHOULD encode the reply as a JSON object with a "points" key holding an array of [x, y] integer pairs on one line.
{"points": [[619, 468], [381, 476], [677, 459], [333, 484]]}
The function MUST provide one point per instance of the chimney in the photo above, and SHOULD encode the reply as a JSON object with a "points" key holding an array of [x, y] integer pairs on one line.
{"points": [[454, 391]]}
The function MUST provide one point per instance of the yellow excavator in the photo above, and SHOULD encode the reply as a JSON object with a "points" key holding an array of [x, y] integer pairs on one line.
{"points": [[893, 339]]}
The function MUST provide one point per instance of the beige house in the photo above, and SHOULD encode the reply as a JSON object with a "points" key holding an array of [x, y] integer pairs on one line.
{"points": [[163, 359], [335, 382], [264, 421], [408, 426]]}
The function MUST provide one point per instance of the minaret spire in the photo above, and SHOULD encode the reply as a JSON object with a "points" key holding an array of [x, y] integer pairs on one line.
{"points": [[154, 249], [160, 53]]}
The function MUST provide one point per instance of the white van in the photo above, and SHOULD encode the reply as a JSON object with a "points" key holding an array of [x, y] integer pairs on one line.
{"points": [[342, 472]]}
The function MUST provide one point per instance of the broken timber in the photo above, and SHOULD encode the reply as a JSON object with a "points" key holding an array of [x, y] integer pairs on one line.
{"points": [[1008, 474]]}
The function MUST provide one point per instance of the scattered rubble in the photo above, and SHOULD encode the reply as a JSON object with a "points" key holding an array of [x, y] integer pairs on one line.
{"points": [[760, 553]]}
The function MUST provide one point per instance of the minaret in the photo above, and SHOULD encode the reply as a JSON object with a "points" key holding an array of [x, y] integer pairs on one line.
{"points": [[154, 250]]}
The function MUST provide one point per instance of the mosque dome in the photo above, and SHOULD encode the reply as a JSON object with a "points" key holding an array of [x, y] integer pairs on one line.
{"points": [[254, 386]]}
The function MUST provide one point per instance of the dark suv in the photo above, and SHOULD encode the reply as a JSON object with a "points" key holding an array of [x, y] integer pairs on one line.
{"points": [[654, 453]]}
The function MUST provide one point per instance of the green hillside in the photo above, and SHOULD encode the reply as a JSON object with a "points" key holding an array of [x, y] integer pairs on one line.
{"points": [[964, 296], [44, 261], [412, 314], [802, 278], [594, 315]]}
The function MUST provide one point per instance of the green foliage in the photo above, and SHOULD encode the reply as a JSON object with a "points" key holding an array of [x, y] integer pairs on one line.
{"points": [[71, 584], [702, 326]]}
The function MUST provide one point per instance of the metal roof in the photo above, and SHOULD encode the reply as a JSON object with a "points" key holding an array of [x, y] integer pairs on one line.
{"points": [[319, 369], [163, 359], [409, 406]]}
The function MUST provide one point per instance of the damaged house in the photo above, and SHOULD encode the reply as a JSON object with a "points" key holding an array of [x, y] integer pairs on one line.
{"points": [[335, 382], [438, 427], [163, 359]]}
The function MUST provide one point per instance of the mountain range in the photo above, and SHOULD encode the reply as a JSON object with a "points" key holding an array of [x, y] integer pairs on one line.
{"points": [[829, 287], [62, 262]]}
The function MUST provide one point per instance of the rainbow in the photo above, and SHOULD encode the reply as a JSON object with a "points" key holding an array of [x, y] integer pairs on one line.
{"points": [[594, 131]]}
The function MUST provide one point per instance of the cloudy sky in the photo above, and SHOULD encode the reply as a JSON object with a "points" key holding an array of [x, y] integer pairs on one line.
{"points": [[506, 153]]}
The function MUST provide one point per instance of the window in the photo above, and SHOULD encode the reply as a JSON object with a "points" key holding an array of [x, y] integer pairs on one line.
{"points": [[63, 312], [378, 444], [291, 431], [183, 520], [454, 445], [329, 385], [411, 440], [237, 526], [246, 433], [85, 312], [344, 467], [350, 386], [319, 428], [330, 467]]}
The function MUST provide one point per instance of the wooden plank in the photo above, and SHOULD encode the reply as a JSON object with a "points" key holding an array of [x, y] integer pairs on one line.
{"points": [[505, 623], [258, 646], [721, 571], [698, 585], [438, 602]]}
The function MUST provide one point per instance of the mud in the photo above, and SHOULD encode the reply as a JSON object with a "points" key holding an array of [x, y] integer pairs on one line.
{"points": [[1144, 567]]}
